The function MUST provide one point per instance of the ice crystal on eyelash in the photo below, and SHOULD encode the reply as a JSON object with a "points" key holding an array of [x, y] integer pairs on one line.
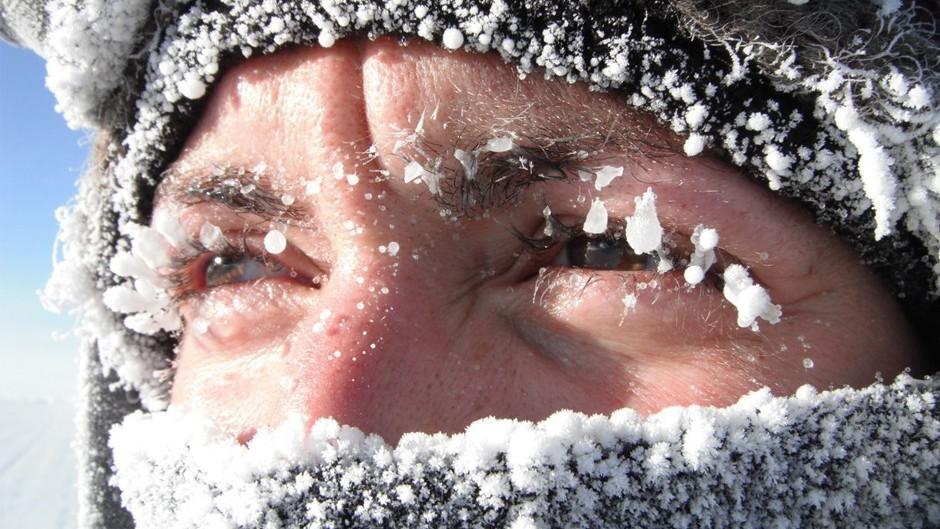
{"points": [[275, 242], [142, 296], [752, 300], [595, 222], [644, 232], [704, 241]]}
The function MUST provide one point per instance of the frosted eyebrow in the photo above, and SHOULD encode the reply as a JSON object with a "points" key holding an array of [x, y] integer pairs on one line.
{"points": [[239, 189]]}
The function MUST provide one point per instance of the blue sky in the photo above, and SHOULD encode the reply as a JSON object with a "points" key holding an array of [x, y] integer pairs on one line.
{"points": [[40, 160]]}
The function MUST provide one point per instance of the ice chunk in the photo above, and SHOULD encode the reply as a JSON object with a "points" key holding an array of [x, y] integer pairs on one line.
{"points": [[453, 38], [596, 220], [644, 232], [604, 175], [694, 274], [703, 256], [751, 300], [468, 161], [326, 39], [275, 242]]}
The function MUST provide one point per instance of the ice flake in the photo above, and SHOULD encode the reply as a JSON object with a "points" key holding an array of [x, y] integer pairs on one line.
{"points": [[596, 220], [644, 232], [605, 175], [209, 235], [452, 38], [393, 248], [413, 171], [808, 363], [751, 300], [338, 171], [501, 144], [275, 242]]}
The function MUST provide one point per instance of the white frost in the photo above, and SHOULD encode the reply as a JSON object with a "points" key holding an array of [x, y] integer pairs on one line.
{"points": [[605, 175], [752, 300], [644, 232], [453, 38], [596, 220], [275, 242], [693, 145]]}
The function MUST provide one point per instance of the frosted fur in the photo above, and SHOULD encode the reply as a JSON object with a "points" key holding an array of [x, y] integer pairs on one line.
{"points": [[843, 458]]}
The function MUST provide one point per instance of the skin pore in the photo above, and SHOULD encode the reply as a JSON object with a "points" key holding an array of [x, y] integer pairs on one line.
{"points": [[395, 310]]}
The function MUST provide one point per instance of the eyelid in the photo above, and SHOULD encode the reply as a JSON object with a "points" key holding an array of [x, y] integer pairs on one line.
{"points": [[182, 272]]}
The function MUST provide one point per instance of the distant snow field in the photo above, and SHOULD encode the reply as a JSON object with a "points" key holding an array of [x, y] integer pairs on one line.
{"points": [[37, 464]]}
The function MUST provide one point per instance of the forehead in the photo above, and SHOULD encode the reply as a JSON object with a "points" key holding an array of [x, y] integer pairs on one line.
{"points": [[299, 105]]}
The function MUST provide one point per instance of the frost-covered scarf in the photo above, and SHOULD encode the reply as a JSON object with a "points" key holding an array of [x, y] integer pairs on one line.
{"points": [[834, 103], [846, 458]]}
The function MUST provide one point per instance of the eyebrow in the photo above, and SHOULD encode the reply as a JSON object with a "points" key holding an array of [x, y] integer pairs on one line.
{"points": [[240, 189], [499, 182]]}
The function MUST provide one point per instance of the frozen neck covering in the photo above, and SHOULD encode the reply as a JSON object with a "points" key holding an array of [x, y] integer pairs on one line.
{"points": [[846, 458], [841, 115]]}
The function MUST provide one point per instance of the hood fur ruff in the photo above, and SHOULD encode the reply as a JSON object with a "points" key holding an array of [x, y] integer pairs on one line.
{"points": [[834, 103]]}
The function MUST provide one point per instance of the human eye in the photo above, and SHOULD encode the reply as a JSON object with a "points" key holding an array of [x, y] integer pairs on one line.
{"points": [[231, 260]]}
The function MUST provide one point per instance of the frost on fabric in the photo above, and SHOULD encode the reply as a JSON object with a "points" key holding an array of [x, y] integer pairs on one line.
{"points": [[87, 48], [841, 458]]}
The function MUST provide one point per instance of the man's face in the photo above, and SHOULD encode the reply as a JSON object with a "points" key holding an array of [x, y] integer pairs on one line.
{"points": [[393, 308]]}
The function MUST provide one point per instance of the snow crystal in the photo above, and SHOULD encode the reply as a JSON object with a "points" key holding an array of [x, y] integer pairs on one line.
{"points": [[275, 242], [758, 121], [605, 175], [596, 220], [644, 232], [326, 39], [453, 38], [695, 115], [393, 248], [694, 145], [808, 363], [751, 300], [192, 87]]}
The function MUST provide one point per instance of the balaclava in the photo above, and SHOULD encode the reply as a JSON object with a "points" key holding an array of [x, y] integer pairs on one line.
{"points": [[848, 125]]}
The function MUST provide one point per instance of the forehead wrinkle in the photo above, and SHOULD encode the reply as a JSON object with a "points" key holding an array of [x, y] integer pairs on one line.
{"points": [[224, 185]]}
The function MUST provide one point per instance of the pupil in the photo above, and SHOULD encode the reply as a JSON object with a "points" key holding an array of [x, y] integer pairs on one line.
{"points": [[600, 252], [223, 269]]}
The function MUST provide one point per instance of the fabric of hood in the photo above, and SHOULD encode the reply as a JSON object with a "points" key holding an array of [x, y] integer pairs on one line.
{"points": [[848, 127]]}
